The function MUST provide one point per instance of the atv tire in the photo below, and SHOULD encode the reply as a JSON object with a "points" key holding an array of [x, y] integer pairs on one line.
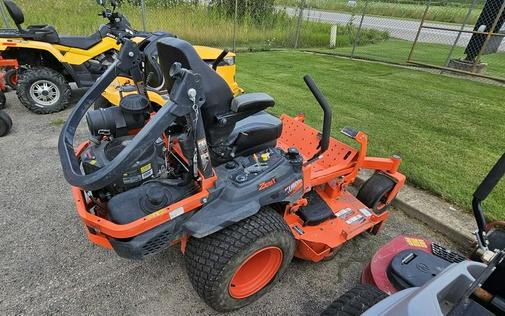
{"points": [[237, 265], [43, 90], [101, 103], [5, 123], [374, 192], [3, 100], [10, 78], [356, 301]]}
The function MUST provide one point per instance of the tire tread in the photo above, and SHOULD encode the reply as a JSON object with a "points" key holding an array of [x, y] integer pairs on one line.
{"points": [[206, 258], [25, 78], [355, 301]]}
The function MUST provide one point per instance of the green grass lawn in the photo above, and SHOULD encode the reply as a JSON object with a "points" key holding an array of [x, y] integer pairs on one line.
{"points": [[199, 24], [449, 131], [397, 51]]}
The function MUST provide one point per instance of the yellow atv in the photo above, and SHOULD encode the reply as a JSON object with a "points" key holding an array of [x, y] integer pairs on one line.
{"points": [[49, 62], [223, 62]]}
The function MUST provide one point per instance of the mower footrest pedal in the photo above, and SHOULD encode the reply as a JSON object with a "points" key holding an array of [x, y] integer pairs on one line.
{"points": [[316, 211]]}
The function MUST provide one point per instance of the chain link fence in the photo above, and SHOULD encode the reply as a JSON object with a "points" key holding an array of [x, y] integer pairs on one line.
{"points": [[474, 47], [458, 35]]}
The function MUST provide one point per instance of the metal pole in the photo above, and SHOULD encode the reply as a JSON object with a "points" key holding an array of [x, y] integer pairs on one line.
{"points": [[142, 11], [419, 31], [358, 34], [298, 25], [488, 37], [235, 27], [472, 6], [6, 21]]}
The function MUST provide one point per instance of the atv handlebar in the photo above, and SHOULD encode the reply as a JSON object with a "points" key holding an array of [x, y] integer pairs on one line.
{"points": [[325, 138]]}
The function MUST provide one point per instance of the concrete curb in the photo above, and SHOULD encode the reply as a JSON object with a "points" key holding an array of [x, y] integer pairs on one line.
{"points": [[441, 216]]}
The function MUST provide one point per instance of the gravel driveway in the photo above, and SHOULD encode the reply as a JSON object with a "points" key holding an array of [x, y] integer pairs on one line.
{"points": [[49, 267]]}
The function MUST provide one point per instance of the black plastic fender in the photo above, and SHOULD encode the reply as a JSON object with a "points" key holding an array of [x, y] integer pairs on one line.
{"points": [[232, 201]]}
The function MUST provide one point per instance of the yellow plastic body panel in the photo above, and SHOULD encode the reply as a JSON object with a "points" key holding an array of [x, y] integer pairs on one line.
{"points": [[70, 55], [206, 53], [113, 96]]}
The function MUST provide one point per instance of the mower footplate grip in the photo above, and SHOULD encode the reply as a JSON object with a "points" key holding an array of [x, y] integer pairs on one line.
{"points": [[349, 132]]}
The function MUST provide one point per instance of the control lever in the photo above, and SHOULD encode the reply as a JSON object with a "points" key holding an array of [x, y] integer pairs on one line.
{"points": [[325, 139]]}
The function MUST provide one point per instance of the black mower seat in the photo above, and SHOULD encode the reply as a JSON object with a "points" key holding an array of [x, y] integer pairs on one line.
{"points": [[81, 42], [255, 133], [239, 125]]}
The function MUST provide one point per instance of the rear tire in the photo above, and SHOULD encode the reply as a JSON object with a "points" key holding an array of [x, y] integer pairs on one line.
{"points": [[11, 78], [356, 301], [237, 265], [5, 123], [43, 90], [375, 191], [3, 100]]}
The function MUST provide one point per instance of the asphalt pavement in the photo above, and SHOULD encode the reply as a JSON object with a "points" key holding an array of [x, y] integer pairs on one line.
{"points": [[49, 267], [397, 28]]}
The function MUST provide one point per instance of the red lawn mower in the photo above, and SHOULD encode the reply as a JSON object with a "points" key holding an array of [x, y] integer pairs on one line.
{"points": [[424, 278], [8, 77], [5, 120]]}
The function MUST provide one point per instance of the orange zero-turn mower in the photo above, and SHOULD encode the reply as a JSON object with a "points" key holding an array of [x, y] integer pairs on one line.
{"points": [[6, 65], [240, 190]]}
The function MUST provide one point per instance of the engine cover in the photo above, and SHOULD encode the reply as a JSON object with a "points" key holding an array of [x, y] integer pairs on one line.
{"points": [[148, 166]]}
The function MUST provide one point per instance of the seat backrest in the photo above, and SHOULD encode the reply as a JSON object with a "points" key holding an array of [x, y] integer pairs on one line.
{"points": [[15, 12], [217, 92]]}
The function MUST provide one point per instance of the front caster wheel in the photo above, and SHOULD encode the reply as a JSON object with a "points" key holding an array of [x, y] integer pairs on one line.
{"points": [[375, 191], [237, 265], [43, 90]]}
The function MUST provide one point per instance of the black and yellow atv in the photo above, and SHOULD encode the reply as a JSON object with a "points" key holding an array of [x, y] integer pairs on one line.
{"points": [[49, 62]]}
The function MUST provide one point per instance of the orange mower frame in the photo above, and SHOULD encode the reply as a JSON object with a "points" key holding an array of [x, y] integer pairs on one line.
{"points": [[330, 175], [241, 192]]}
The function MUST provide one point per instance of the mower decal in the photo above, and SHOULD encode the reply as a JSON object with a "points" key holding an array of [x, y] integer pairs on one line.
{"points": [[177, 212], [365, 212], [145, 168], [416, 242], [298, 230], [265, 185], [344, 213], [156, 214], [293, 187], [356, 219], [147, 174], [203, 149]]}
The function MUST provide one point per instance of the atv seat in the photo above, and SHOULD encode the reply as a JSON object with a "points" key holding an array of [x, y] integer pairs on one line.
{"points": [[81, 42], [45, 33], [233, 126]]}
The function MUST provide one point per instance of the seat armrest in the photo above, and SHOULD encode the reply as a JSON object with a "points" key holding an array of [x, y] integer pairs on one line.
{"points": [[251, 102]]}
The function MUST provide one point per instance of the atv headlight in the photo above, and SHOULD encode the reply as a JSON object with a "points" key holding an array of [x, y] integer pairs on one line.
{"points": [[229, 61]]}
